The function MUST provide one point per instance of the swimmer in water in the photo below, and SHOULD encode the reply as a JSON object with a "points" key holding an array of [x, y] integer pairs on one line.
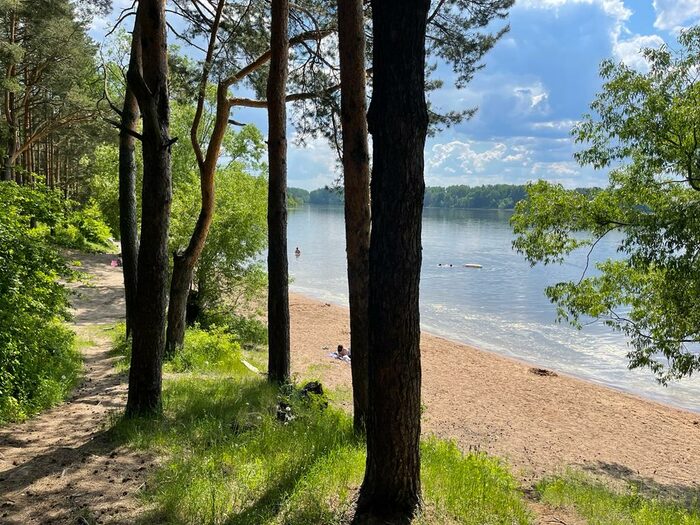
{"points": [[297, 252]]}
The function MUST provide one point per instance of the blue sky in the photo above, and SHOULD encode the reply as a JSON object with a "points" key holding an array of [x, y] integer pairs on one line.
{"points": [[536, 83]]}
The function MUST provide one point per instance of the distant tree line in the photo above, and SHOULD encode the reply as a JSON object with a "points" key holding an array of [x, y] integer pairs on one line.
{"points": [[489, 196]]}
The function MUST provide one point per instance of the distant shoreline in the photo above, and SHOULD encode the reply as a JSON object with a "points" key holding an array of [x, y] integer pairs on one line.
{"points": [[424, 207]]}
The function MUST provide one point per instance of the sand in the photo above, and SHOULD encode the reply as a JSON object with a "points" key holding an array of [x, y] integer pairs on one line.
{"points": [[539, 423]]}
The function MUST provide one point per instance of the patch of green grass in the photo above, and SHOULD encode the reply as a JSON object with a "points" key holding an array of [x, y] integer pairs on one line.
{"points": [[602, 505], [231, 461], [121, 348], [226, 458], [204, 351], [473, 488]]}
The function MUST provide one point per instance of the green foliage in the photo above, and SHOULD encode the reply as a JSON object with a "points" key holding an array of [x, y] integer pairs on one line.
{"points": [[227, 273], [83, 229], [297, 197], [121, 348], [496, 196], [207, 350], [327, 196], [650, 292], [491, 196], [248, 329], [216, 349], [38, 362], [600, 505], [104, 184]]}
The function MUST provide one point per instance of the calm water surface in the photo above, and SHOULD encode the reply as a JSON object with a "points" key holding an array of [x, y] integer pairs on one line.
{"points": [[501, 307]]}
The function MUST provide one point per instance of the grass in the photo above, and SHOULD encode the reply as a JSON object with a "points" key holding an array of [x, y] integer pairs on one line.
{"points": [[599, 504], [227, 459]]}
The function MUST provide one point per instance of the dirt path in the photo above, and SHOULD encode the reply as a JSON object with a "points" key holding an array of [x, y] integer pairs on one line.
{"points": [[61, 467]]}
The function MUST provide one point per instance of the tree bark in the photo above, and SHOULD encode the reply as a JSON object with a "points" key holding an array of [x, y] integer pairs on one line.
{"points": [[151, 90], [9, 109], [277, 264], [398, 121], [353, 101], [184, 263], [128, 229]]}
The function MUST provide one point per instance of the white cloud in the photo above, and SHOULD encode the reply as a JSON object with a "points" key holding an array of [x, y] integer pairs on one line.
{"points": [[625, 45], [613, 8], [672, 15], [519, 154], [629, 51], [555, 125], [532, 99], [554, 168], [461, 154]]}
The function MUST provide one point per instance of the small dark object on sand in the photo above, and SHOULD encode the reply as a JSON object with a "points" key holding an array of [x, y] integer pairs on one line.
{"points": [[543, 372]]}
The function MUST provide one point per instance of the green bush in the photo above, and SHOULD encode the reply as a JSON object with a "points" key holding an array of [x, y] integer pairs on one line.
{"points": [[248, 330], [83, 229], [213, 350], [205, 351], [38, 361]]}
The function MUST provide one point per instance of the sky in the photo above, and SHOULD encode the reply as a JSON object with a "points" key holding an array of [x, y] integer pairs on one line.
{"points": [[536, 83]]}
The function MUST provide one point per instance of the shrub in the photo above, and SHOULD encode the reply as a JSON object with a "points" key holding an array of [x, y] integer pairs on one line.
{"points": [[213, 350], [38, 361], [83, 229]]}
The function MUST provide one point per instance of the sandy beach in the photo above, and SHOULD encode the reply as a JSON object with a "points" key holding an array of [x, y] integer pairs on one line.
{"points": [[538, 423]]}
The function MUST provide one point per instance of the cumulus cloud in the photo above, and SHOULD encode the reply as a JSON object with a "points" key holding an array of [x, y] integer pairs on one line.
{"points": [[532, 99], [626, 46], [629, 50], [554, 168], [672, 15], [464, 156], [555, 125], [613, 8], [519, 154]]}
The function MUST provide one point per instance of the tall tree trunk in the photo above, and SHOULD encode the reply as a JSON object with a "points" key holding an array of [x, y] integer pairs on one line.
{"points": [[398, 121], [26, 128], [151, 90], [277, 264], [9, 109], [353, 101], [185, 262], [128, 229]]}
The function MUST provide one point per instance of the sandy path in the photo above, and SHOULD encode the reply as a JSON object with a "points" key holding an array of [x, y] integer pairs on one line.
{"points": [[61, 467], [539, 423]]}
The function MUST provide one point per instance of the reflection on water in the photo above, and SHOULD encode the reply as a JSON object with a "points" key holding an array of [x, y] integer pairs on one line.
{"points": [[500, 307]]}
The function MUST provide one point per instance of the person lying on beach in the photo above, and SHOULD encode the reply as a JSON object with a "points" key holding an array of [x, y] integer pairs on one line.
{"points": [[342, 354]]}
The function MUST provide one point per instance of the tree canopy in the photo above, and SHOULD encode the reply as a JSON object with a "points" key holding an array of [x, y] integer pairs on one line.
{"points": [[645, 127]]}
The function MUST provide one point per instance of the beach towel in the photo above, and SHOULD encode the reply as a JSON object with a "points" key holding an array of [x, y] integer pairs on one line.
{"points": [[335, 355]]}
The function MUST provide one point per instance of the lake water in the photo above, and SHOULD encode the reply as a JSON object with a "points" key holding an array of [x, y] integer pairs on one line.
{"points": [[500, 307]]}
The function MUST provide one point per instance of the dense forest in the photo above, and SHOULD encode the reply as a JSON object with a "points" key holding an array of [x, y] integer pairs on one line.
{"points": [[489, 196], [145, 275]]}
